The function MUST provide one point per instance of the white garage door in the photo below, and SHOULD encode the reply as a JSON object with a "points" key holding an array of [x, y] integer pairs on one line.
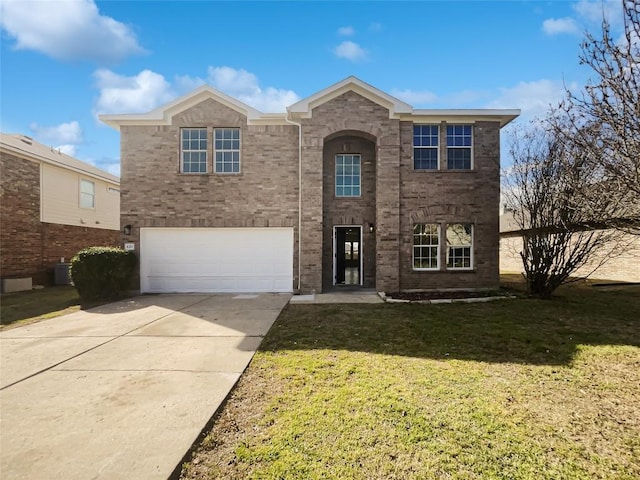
{"points": [[216, 260]]}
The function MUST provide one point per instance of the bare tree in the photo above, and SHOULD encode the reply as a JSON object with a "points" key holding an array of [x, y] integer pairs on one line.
{"points": [[603, 121], [544, 189]]}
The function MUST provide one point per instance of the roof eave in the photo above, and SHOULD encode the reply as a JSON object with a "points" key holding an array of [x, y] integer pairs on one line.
{"points": [[504, 116]]}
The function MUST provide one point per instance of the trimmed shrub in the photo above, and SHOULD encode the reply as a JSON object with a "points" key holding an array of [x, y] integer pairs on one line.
{"points": [[102, 273]]}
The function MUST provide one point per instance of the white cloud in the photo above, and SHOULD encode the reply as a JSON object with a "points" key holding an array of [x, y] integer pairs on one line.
{"points": [[233, 81], [555, 26], [109, 165], [346, 31], [65, 133], [68, 149], [533, 98], [593, 11], [414, 97], [351, 51], [136, 94], [68, 30], [244, 86], [147, 90]]}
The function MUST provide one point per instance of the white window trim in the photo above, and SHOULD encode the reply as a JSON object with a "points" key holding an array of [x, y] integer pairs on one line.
{"points": [[437, 148], [471, 147], [213, 146], [206, 152], [471, 248], [81, 193], [335, 175], [413, 251]]}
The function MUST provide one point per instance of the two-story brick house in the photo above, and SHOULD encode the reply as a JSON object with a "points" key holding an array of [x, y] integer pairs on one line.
{"points": [[350, 186]]}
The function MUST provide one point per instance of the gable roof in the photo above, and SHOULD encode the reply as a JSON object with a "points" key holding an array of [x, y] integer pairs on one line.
{"points": [[25, 147], [164, 113], [351, 84], [303, 109]]}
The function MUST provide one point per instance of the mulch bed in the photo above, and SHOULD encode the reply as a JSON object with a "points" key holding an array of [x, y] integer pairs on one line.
{"points": [[416, 296]]}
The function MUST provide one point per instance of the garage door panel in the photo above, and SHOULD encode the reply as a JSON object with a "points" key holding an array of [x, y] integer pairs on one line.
{"points": [[216, 259]]}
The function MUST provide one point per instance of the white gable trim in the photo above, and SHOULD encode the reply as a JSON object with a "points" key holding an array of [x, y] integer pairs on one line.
{"points": [[305, 106], [303, 109], [164, 114]]}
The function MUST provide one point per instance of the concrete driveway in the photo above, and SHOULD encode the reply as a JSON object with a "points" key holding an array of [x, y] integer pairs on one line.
{"points": [[122, 391]]}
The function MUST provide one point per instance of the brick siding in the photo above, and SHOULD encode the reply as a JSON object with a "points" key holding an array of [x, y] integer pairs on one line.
{"points": [[153, 192], [349, 211], [453, 197], [20, 232]]}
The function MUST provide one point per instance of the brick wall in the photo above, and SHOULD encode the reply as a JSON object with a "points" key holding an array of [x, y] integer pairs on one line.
{"points": [[453, 197], [352, 115], [20, 231], [155, 194], [29, 247], [349, 211]]}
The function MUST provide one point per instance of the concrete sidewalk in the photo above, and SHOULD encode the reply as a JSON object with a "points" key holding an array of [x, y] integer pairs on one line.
{"points": [[122, 391]]}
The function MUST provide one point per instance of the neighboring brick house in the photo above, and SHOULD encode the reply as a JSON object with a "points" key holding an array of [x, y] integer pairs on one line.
{"points": [[622, 266], [51, 206], [350, 186]]}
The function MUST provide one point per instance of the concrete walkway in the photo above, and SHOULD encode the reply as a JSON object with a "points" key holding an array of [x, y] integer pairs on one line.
{"points": [[349, 296], [122, 391]]}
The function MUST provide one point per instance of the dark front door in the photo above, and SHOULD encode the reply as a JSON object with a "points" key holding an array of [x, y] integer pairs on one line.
{"points": [[347, 256]]}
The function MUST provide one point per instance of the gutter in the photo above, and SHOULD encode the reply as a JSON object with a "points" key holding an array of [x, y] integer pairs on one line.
{"points": [[299, 125]]}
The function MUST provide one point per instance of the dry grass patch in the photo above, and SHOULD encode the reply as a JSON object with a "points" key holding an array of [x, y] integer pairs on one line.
{"points": [[20, 308], [518, 389]]}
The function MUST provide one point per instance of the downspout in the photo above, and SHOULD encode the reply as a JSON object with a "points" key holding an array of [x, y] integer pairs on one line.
{"points": [[299, 125]]}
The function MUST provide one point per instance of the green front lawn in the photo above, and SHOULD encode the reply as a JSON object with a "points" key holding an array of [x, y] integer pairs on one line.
{"points": [[23, 307], [512, 389]]}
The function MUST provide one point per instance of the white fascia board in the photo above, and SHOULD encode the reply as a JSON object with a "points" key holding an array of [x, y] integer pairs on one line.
{"points": [[504, 116], [305, 106], [163, 114], [269, 119]]}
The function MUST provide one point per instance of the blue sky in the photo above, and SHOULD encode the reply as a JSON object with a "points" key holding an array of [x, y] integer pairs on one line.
{"points": [[63, 62]]}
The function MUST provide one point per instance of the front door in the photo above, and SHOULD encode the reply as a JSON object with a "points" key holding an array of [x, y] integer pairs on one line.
{"points": [[347, 254]]}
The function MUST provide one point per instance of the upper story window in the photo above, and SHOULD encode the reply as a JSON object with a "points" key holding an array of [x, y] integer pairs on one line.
{"points": [[194, 150], [87, 194], [459, 246], [459, 144], [425, 147], [426, 246], [347, 175], [227, 150]]}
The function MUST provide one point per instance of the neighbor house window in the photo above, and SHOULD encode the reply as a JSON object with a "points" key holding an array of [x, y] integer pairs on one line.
{"points": [[426, 246], [194, 150], [459, 245], [227, 150], [87, 194], [425, 147], [347, 175], [459, 143]]}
